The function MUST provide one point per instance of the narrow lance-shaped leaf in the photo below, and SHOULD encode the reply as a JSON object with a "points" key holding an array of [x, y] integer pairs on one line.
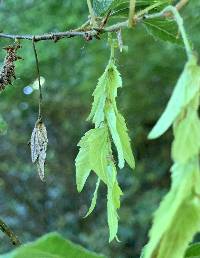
{"points": [[185, 180], [186, 134], [114, 82], [185, 90], [92, 156], [185, 224], [94, 199], [99, 152], [112, 123], [82, 162], [97, 112], [125, 140], [106, 90], [113, 202]]}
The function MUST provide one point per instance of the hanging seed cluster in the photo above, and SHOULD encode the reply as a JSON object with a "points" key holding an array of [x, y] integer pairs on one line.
{"points": [[7, 72], [39, 143]]}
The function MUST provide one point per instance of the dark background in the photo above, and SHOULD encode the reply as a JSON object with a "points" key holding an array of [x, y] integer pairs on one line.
{"points": [[70, 69]]}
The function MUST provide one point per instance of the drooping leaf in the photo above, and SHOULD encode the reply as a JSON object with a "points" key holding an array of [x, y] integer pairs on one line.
{"points": [[82, 162], [185, 224], [114, 82], [94, 199], [95, 147], [125, 140], [187, 138], [97, 112], [177, 205], [99, 153], [92, 156], [113, 202], [112, 124], [51, 246], [106, 90], [185, 90], [112, 216]]}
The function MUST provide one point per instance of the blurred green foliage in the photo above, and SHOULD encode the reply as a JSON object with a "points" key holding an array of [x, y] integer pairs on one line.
{"points": [[71, 68]]}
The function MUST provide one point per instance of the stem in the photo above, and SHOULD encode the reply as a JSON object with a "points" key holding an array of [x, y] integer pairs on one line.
{"points": [[112, 52], [179, 21], [38, 74], [5, 229], [181, 3], [131, 21], [91, 11]]}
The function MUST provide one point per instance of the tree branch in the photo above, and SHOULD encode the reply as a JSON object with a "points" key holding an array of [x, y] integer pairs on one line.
{"points": [[6, 230], [89, 33]]}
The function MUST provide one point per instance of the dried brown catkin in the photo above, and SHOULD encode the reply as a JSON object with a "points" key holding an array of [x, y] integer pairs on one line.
{"points": [[39, 143], [7, 72]]}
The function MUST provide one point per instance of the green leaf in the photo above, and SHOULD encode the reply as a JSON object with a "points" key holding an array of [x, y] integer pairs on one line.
{"points": [[82, 163], [101, 6], [92, 156], [186, 223], [106, 90], [94, 199], [120, 8], [112, 124], [96, 154], [178, 216], [185, 90], [114, 82], [112, 216], [125, 140], [51, 246], [187, 138], [99, 152], [113, 203], [97, 112], [96, 150], [164, 29]]}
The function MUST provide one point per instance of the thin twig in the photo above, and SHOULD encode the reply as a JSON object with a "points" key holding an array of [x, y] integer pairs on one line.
{"points": [[38, 74], [131, 21], [181, 3], [179, 21], [6, 230]]}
